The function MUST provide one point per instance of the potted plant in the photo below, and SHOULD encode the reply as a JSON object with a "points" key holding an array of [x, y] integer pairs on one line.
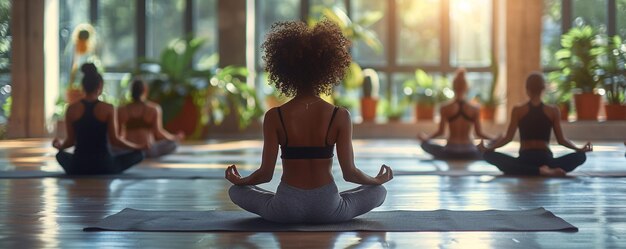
{"points": [[613, 74], [192, 98], [578, 62], [425, 92], [490, 103], [369, 101], [393, 110]]}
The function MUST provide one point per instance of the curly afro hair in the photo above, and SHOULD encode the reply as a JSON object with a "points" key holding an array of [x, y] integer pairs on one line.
{"points": [[306, 59]]}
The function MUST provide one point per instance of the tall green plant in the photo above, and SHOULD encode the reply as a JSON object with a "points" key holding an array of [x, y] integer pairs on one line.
{"points": [[578, 59], [613, 70], [215, 92]]}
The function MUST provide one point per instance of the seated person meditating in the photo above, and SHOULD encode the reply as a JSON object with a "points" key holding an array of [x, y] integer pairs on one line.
{"points": [[90, 125], [535, 120], [459, 115], [305, 62], [140, 122]]}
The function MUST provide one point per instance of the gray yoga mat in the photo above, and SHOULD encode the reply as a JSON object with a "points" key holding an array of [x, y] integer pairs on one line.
{"points": [[133, 173], [498, 173], [537, 219]]}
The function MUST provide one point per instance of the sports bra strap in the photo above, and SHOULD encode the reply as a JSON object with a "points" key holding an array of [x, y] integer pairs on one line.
{"points": [[329, 124], [280, 115]]}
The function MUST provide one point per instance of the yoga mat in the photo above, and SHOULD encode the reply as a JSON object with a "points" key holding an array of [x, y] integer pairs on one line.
{"points": [[537, 219], [133, 173], [498, 173]]}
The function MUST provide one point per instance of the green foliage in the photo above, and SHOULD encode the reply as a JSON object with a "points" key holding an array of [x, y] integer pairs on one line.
{"points": [[391, 109], [355, 31], [216, 92], [613, 69], [578, 59], [492, 100], [424, 89], [5, 36]]}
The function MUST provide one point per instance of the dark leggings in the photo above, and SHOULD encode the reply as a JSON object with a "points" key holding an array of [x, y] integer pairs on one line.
{"points": [[99, 164], [529, 161], [460, 152]]}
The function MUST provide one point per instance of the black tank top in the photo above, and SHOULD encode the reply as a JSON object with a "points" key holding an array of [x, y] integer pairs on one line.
{"points": [[460, 113], [91, 133], [307, 152], [535, 125]]}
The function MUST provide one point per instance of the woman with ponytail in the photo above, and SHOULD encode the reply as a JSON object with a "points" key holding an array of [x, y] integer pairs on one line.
{"points": [[459, 115], [140, 122], [90, 126]]}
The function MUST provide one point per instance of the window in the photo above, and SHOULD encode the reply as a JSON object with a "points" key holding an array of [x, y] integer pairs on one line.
{"points": [[551, 34], [419, 41], [621, 18], [364, 10], [164, 23], [470, 33], [591, 12], [116, 23], [205, 26]]}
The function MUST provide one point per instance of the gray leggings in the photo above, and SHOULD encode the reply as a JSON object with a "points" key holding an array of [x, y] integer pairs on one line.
{"points": [[320, 205], [452, 151]]}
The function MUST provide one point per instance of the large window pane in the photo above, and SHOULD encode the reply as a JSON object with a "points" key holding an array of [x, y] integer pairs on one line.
{"points": [[592, 12], [118, 33], [551, 33], [362, 10], [71, 14], [269, 12], [205, 23], [621, 18], [164, 24], [5, 61], [470, 32], [419, 27]]}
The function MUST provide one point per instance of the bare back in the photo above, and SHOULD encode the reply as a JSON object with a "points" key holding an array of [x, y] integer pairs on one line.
{"points": [[142, 111], [460, 127], [306, 128]]}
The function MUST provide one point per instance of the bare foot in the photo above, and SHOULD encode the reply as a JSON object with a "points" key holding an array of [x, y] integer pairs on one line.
{"points": [[547, 171]]}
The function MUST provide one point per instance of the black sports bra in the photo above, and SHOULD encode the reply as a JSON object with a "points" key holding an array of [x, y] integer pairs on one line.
{"points": [[460, 113], [535, 125], [307, 152]]}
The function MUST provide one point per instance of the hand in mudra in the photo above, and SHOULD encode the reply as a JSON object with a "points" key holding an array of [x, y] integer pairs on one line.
{"points": [[384, 175], [232, 175]]}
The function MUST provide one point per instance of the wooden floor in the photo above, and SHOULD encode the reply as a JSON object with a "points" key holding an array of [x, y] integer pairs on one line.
{"points": [[51, 212]]}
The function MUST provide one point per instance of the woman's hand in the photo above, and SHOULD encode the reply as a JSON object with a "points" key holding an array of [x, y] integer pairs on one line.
{"points": [[586, 148], [179, 136], [481, 146], [384, 175], [56, 143], [232, 175]]}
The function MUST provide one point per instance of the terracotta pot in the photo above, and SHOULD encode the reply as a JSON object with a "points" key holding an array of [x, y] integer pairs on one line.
{"points": [[615, 112], [187, 119], [424, 112], [73, 95], [587, 106], [487, 113], [564, 109], [368, 109]]}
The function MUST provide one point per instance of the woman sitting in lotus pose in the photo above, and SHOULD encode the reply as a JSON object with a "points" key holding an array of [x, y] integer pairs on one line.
{"points": [[459, 115], [90, 125], [140, 122], [535, 121], [305, 62]]}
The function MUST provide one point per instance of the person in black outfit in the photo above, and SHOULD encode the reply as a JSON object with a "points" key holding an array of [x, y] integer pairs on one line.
{"points": [[459, 116], [535, 121], [90, 125]]}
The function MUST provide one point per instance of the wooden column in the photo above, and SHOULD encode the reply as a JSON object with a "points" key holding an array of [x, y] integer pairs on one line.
{"points": [[523, 47], [27, 70]]}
